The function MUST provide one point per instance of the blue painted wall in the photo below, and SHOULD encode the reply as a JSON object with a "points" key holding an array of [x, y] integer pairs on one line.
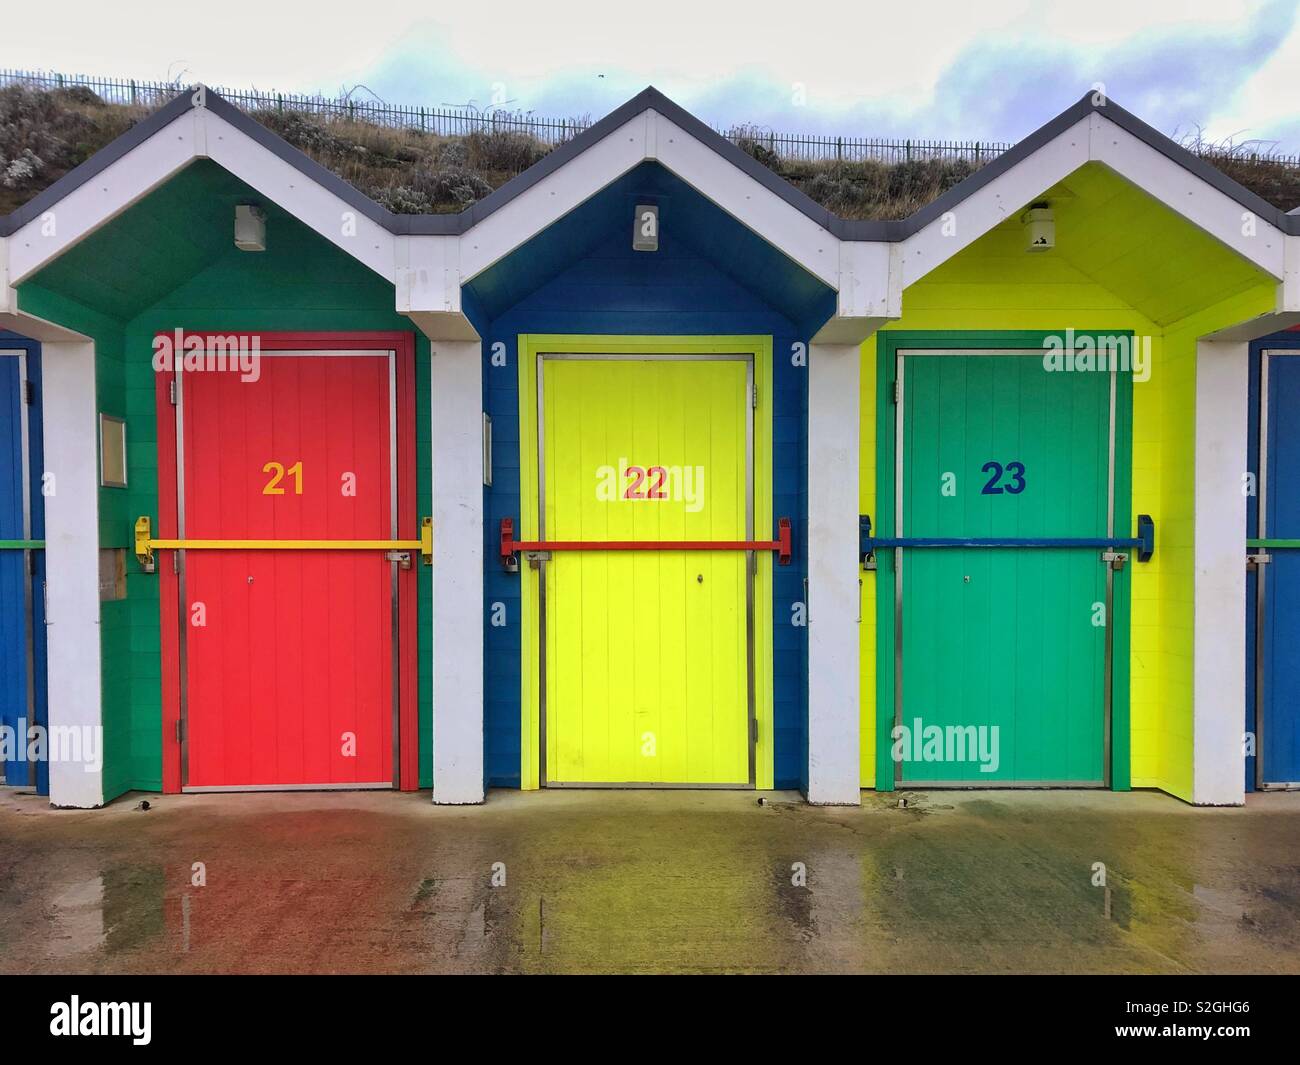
{"points": [[709, 276], [14, 574], [1281, 740]]}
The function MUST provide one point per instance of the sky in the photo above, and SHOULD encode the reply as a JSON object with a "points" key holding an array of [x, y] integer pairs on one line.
{"points": [[953, 69]]}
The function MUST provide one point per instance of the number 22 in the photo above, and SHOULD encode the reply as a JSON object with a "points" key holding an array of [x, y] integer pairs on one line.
{"points": [[656, 488]]}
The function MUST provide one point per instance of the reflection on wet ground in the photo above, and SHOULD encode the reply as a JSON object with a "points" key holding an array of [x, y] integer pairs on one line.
{"points": [[650, 881]]}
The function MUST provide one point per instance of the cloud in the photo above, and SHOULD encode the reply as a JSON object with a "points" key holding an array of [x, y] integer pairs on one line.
{"points": [[1179, 77]]}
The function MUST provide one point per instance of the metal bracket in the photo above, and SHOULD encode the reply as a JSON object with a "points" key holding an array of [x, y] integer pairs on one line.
{"points": [[143, 546], [536, 558], [1258, 559], [403, 557], [866, 553], [1146, 528], [509, 558], [1114, 559], [426, 541]]}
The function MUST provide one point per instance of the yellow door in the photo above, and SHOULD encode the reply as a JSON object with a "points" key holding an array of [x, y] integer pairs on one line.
{"points": [[646, 652]]}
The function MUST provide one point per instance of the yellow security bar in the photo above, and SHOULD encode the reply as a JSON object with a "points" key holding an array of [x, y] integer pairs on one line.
{"points": [[146, 545]]}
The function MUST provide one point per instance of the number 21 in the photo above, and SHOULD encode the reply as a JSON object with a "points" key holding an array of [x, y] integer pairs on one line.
{"points": [[277, 472]]}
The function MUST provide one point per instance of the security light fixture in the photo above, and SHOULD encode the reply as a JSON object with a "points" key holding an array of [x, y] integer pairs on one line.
{"points": [[250, 227], [1040, 227]]}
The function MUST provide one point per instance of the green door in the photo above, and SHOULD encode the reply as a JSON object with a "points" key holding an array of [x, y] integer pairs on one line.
{"points": [[1002, 652]]}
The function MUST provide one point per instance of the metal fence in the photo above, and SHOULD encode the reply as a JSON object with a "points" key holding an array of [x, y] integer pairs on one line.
{"points": [[814, 148], [459, 121]]}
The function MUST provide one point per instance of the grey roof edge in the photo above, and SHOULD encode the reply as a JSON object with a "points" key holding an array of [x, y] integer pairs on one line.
{"points": [[218, 105], [100, 161], [1049, 131], [647, 99]]}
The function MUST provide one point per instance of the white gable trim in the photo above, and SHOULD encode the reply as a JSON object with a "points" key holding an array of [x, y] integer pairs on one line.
{"points": [[196, 134], [649, 136], [1094, 138]]}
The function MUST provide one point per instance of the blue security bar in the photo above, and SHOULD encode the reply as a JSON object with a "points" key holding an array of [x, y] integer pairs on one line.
{"points": [[1143, 543]]}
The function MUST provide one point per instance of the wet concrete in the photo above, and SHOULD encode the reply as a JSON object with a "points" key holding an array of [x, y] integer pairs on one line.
{"points": [[650, 881]]}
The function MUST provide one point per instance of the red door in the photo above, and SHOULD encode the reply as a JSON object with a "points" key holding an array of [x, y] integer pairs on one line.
{"points": [[287, 657]]}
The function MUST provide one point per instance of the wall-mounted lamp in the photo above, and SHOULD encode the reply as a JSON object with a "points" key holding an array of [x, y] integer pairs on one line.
{"points": [[250, 227], [1040, 228]]}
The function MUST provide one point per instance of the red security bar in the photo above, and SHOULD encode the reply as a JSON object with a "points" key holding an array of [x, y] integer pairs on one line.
{"points": [[781, 545]]}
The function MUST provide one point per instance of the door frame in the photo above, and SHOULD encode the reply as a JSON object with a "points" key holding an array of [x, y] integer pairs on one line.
{"points": [[1260, 445], [175, 738], [25, 426], [888, 649], [758, 351]]}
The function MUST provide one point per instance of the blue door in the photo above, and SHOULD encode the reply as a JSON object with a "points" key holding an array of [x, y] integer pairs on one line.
{"points": [[22, 563], [1273, 696]]}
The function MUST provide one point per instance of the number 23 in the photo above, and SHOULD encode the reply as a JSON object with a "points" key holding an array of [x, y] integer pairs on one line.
{"points": [[1014, 470]]}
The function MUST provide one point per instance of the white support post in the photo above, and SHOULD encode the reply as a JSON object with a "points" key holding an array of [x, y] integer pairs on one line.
{"points": [[1219, 638], [457, 423], [833, 427], [71, 487]]}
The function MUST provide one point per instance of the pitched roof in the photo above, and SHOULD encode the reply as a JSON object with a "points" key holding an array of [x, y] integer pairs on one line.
{"points": [[647, 99]]}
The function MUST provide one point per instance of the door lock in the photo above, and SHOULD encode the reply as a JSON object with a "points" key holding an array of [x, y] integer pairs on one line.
{"points": [[1114, 559], [403, 557], [1258, 559]]}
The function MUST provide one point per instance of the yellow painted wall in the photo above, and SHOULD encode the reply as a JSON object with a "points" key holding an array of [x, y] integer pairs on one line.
{"points": [[995, 285], [1162, 756]]}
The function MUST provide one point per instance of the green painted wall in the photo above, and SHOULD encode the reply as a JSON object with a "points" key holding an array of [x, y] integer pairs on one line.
{"points": [[117, 665], [301, 283]]}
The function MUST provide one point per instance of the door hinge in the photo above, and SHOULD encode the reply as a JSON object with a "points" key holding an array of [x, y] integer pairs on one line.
{"points": [[29, 392], [180, 730], [171, 390], [896, 391], [753, 730], [1261, 558], [753, 397]]}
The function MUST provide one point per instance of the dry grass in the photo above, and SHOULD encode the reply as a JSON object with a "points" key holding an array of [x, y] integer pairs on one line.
{"points": [[45, 134]]}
